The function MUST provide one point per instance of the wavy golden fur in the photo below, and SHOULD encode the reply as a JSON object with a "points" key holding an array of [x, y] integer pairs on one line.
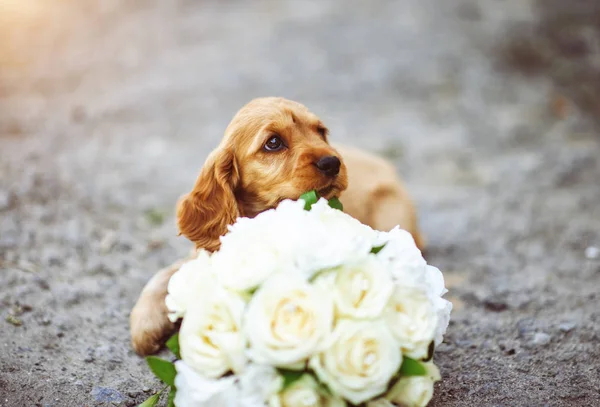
{"points": [[250, 172]]}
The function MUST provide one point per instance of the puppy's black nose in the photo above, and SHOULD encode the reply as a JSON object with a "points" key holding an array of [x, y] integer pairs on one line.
{"points": [[329, 165]]}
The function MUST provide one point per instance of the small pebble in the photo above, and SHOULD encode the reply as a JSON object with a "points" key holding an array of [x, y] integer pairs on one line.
{"points": [[567, 356], [464, 343], [567, 326], [155, 244], [444, 347], [592, 252], [26, 307], [107, 395], [42, 283], [495, 305], [525, 326], [52, 257], [541, 339], [108, 241]]}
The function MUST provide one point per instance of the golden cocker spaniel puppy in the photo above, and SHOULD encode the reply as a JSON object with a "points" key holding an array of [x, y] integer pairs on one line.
{"points": [[273, 149]]}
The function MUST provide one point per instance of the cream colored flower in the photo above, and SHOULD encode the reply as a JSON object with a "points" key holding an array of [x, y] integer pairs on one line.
{"points": [[305, 392], [402, 253], [409, 269], [210, 337], [251, 388], [411, 316], [258, 384], [194, 390], [256, 248], [415, 391], [287, 320], [360, 361], [443, 307], [187, 283], [362, 289], [332, 238]]}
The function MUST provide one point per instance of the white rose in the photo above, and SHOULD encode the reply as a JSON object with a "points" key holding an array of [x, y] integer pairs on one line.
{"points": [[305, 392], [405, 259], [256, 248], [335, 219], [360, 361], [410, 270], [361, 290], [415, 391], [434, 280], [258, 384], [194, 390], [436, 289], [287, 320], [411, 316], [210, 337], [444, 309], [332, 238], [186, 284]]}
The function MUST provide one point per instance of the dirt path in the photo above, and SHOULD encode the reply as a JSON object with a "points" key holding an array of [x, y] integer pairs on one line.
{"points": [[107, 111]]}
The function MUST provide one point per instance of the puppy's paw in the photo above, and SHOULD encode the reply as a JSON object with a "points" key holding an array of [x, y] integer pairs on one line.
{"points": [[150, 326]]}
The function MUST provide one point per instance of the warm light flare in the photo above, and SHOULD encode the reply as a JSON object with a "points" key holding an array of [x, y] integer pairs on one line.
{"points": [[14, 11], [22, 24]]}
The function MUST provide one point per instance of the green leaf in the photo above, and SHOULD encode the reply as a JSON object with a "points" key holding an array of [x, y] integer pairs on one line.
{"points": [[171, 398], [310, 198], [290, 376], [173, 345], [151, 401], [163, 369], [411, 367], [377, 249], [336, 204]]}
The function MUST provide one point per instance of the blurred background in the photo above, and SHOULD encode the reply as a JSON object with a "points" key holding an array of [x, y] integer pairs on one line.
{"points": [[489, 109]]}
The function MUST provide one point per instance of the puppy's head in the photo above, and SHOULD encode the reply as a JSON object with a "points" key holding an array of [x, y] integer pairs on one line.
{"points": [[273, 149]]}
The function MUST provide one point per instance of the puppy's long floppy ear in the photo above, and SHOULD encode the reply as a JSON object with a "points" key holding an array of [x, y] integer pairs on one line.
{"points": [[204, 213]]}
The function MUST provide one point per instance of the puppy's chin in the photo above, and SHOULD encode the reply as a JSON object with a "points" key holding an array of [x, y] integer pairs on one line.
{"points": [[328, 192], [333, 189]]}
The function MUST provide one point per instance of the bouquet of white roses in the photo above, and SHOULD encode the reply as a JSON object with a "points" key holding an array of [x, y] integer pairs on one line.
{"points": [[306, 308]]}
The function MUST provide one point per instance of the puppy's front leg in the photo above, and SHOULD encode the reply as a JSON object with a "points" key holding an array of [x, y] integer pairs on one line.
{"points": [[149, 324]]}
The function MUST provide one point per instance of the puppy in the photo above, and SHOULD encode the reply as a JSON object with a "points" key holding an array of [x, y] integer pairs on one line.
{"points": [[273, 149]]}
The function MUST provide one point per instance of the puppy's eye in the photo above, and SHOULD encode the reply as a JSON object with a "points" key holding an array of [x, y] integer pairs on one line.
{"points": [[322, 131], [274, 143]]}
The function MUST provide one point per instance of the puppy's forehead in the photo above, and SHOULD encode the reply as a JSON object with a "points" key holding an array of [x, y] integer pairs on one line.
{"points": [[273, 108], [295, 117], [269, 114]]}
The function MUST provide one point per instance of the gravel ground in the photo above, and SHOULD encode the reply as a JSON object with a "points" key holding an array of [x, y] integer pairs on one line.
{"points": [[108, 109]]}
